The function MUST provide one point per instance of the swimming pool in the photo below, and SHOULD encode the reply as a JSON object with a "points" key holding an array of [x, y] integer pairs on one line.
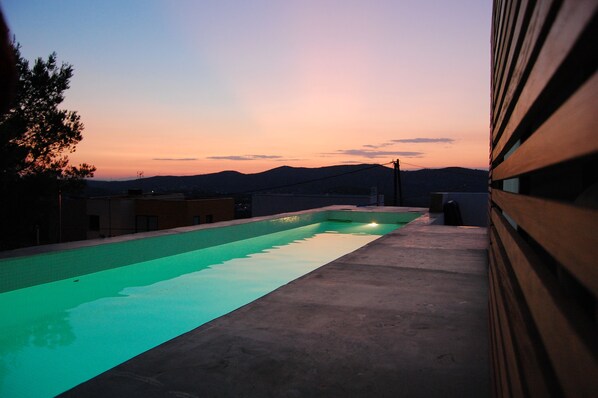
{"points": [[61, 333]]}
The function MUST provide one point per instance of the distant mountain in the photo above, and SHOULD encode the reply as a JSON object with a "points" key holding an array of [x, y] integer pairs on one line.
{"points": [[346, 179]]}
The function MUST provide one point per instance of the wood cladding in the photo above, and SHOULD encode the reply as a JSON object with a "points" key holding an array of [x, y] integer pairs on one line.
{"points": [[544, 198]]}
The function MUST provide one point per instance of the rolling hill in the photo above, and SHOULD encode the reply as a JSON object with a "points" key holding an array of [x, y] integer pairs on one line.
{"points": [[344, 179]]}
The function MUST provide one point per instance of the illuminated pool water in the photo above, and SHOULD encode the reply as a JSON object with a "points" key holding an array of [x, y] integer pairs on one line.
{"points": [[56, 335]]}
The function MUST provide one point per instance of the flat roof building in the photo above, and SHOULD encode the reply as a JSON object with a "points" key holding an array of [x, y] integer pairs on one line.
{"points": [[113, 216]]}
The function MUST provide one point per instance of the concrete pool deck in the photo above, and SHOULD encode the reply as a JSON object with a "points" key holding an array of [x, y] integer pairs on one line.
{"points": [[405, 316]]}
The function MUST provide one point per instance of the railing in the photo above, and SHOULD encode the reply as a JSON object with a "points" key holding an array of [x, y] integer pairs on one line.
{"points": [[544, 198]]}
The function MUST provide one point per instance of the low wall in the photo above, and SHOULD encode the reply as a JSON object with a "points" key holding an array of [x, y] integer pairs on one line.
{"points": [[268, 204], [473, 206]]}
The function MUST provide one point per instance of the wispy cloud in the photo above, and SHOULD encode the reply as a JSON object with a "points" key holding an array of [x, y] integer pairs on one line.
{"points": [[265, 156], [425, 140], [366, 153], [289, 160], [174, 159], [245, 157], [378, 145]]}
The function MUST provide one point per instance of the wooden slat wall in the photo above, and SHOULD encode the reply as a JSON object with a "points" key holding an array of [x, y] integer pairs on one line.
{"points": [[544, 198]]}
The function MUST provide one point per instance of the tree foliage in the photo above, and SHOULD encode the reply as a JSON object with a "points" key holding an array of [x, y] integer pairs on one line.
{"points": [[36, 136], [35, 132]]}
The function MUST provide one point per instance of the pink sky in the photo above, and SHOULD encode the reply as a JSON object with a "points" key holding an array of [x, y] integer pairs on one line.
{"points": [[182, 88]]}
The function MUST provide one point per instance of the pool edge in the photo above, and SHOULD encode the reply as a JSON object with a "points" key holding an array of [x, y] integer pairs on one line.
{"points": [[41, 264]]}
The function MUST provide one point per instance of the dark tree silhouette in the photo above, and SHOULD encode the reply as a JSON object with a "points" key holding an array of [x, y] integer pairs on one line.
{"points": [[35, 138], [35, 133]]}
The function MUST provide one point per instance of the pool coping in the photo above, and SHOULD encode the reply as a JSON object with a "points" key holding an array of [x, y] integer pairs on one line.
{"points": [[54, 247], [43, 264]]}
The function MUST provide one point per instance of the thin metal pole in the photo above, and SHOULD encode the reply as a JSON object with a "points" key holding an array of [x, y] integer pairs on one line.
{"points": [[395, 183], [399, 183]]}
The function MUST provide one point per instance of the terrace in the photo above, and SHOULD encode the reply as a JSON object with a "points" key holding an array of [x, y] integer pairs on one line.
{"points": [[405, 315]]}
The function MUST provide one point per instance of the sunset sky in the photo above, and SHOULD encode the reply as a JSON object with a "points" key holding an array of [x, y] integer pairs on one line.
{"points": [[194, 87]]}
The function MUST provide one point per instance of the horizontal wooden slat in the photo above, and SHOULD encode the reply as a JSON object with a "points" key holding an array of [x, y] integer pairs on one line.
{"points": [[567, 232], [510, 355], [572, 18], [535, 25], [494, 347], [538, 379], [494, 361], [559, 323], [507, 68], [507, 47], [493, 36], [500, 364], [568, 134], [495, 342], [499, 29]]}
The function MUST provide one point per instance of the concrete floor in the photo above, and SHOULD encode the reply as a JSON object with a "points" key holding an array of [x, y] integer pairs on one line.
{"points": [[405, 316]]}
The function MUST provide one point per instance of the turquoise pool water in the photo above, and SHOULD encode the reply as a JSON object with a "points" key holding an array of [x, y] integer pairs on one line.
{"points": [[56, 335]]}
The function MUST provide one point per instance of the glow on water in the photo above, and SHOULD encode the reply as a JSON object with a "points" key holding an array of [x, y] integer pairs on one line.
{"points": [[57, 335]]}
